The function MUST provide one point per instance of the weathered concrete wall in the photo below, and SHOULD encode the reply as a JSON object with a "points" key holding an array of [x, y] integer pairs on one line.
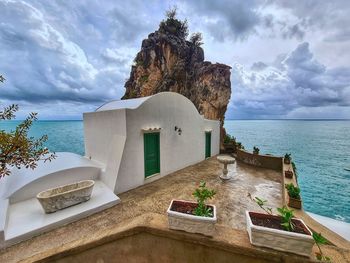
{"points": [[145, 247], [259, 160]]}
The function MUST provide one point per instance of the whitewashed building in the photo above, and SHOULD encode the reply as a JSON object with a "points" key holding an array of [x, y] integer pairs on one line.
{"points": [[140, 140], [127, 143]]}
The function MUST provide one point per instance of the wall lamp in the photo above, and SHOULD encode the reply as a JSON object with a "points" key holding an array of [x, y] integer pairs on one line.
{"points": [[178, 129]]}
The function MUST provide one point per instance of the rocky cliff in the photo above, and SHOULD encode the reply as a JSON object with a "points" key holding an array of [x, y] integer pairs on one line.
{"points": [[168, 62]]}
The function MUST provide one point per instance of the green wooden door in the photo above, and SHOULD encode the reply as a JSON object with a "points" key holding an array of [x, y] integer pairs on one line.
{"points": [[207, 144], [151, 153]]}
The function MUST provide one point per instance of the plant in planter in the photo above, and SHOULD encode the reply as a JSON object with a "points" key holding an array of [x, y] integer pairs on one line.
{"points": [[287, 158], [294, 196], [281, 232], [202, 194], [288, 174], [256, 150], [286, 216], [320, 240], [194, 217], [239, 146], [229, 143], [229, 139]]}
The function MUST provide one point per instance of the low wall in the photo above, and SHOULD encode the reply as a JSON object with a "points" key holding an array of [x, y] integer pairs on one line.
{"points": [[264, 161], [148, 244]]}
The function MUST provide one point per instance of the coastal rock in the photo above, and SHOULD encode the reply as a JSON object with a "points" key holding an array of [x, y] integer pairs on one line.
{"points": [[168, 62]]}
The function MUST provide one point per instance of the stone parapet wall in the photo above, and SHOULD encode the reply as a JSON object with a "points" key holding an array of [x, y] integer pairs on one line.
{"points": [[259, 160]]}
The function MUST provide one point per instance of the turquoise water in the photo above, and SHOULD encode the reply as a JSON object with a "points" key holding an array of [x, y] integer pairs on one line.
{"points": [[321, 150], [64, 136]]}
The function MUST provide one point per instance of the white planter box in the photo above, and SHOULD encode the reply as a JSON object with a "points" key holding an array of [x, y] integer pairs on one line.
{"points": [[191, 223], [64, 196], [296, 243]]}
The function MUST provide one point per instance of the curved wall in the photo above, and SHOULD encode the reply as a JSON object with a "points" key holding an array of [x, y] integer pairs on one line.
{"points": [[53, 180]]}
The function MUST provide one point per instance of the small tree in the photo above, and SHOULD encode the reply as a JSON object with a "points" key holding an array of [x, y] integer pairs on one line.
{"points": [[171, 13], [320, 240], [196, 39], [174, 26], [203, 194], [16, 148]]}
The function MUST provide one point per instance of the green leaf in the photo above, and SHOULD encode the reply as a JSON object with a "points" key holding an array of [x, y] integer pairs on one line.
{"points": [[319, 239]]}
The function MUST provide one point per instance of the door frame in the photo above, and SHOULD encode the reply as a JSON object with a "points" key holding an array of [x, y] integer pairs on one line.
{"points": [[207, 133], [144, 153]]}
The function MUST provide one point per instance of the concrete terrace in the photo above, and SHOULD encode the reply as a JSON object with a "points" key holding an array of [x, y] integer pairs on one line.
{"points": [[142, 211]]}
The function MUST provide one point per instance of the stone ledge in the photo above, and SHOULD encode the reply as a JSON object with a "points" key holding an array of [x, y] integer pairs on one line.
{"points": [[235, 242]]}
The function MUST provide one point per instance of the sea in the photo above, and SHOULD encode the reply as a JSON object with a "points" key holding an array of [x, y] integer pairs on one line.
{"points": [[320, 149]]}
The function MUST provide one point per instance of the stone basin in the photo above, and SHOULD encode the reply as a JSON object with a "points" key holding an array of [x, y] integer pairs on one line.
{"points": [[65, 196], [225, 160]]}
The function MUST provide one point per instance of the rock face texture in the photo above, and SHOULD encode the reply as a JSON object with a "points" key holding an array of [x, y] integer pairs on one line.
{"points": [[168, 62]]}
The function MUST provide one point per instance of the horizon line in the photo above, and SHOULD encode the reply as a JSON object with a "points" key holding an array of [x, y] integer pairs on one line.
{"points": [[295, 119]]}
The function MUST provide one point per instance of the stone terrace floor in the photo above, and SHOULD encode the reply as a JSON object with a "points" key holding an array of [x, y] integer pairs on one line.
{"points": [[231, 201]]}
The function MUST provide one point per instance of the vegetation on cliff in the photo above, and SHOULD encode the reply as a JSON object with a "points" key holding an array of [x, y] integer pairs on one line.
{"points": [[168, 61]]}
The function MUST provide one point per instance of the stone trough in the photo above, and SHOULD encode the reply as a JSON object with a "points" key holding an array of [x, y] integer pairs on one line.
{"points": [[65, 196]]}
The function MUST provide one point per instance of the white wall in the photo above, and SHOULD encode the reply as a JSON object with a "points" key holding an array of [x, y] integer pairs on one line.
{"points": [[66, 168], [165, 110], [105, 136]]}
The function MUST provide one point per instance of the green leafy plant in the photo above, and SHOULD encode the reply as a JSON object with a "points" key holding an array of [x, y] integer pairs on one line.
{"points": [[261, 203], [196, 39], [293, 191], [320, 240], [202, 194], [287, 158], [256, 150], [144, 78], [239, 145], [287, 215], [174, 26], [229, 139], [16, 148]]}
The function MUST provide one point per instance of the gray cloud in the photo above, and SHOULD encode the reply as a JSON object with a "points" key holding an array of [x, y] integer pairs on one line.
{"points": [[257, 66], [229, 19], [300, 82], [329, 17], [68, 58], [294, 31], [77, 54]]}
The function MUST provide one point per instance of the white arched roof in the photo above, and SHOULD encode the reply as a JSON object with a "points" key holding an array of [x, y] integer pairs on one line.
{"points": [[135, 103], [123, 104]]}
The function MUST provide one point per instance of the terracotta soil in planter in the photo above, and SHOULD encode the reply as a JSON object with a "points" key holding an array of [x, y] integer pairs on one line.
{"points": [[295, 203], [288, 174], [274, 222], [186, 207]]}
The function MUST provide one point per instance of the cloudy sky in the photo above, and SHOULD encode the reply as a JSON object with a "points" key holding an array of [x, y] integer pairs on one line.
{"points": [[289, 59]]}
